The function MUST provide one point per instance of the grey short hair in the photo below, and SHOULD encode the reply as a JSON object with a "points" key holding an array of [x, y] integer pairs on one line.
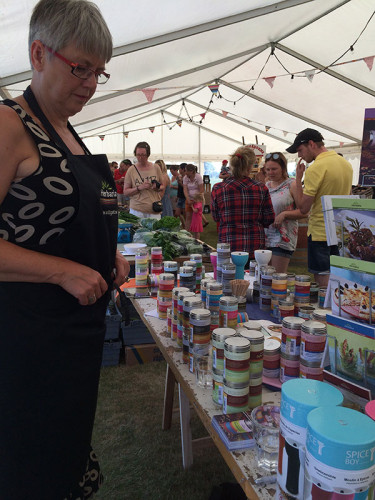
{"points": [[57, 23]]}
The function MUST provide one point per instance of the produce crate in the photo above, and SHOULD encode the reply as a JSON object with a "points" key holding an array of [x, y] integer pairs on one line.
{"points": [[136, 332], [111, 353]]}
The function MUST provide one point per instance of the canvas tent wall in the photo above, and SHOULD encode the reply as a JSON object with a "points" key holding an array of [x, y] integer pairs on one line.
{"points": [[281, 66]]}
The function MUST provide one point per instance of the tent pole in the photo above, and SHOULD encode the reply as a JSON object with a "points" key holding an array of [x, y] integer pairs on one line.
{"points": [[199, 149], [123, 141]]}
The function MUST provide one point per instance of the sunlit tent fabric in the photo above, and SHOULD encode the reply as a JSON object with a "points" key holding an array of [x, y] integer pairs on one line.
{"points": [[280, 66]]}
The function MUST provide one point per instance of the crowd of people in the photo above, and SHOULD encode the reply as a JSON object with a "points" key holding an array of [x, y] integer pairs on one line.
{"points": [[253, 209]]}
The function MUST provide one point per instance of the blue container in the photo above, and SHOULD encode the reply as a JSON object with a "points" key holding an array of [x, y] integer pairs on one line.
{"points": [[298, 398], [111, 353], [340, 451]]}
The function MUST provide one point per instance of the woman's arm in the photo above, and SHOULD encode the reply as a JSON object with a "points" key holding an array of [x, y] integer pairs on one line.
{"points": [[289, 214]]}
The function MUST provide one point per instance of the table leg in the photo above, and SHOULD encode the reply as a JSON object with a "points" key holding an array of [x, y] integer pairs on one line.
{"points": [[186, 439], [170, 382]]}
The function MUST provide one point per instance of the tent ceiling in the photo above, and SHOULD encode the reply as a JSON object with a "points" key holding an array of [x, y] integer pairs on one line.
{"points": [[176, 48]]}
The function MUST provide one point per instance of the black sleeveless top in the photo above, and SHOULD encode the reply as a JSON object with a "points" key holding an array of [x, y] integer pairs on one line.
{"points": [[39, 207]]}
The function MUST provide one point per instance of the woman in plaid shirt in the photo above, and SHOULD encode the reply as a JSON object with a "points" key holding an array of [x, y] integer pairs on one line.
{"points": [[242, 206]]}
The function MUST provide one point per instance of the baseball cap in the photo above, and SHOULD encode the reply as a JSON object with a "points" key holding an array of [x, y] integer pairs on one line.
{"points": [[225, 169], [309, 134], [127, 162]]}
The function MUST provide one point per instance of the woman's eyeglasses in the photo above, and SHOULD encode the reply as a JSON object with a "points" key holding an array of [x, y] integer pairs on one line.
{"points": [[81, 71], [274, 156]]}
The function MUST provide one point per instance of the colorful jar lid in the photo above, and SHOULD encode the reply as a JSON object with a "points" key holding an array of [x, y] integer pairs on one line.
{"points": [[341, 437], [314, 327], [300, 396]]}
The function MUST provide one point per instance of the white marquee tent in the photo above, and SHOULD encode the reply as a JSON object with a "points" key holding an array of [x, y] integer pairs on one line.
{"points": [[280, 66]]}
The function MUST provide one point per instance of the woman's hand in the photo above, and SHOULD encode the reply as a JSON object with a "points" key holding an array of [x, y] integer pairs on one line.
{"points": [[145, 185], [279, 219], [122, 268], [84, 283]]}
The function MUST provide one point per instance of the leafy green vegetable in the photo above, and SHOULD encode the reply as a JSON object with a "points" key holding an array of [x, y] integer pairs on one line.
{"points": [[148, 223], [167, 222], [127, 217]]}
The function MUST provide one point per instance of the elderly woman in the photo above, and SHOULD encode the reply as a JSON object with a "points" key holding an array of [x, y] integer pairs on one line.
{"points": [[58, 233], [281, 236], [242, 206], [144, 184]]}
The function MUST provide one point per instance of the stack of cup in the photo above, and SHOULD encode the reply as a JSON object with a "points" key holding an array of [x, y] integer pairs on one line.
{"points": [[290, 347], [313, 341], [228, 273], [175, 292], [256, 339], [218, 337], [236, 374], [166, 284], [197, 257], [203, 289], [223, 257], [180, 318], [141, 271], [171, 266], [228, 312], [187, 278], [214, 292], [278, 291], [302, 291]]}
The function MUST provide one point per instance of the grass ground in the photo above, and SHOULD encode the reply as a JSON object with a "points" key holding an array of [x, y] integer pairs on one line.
{"points": [[138, 459]]}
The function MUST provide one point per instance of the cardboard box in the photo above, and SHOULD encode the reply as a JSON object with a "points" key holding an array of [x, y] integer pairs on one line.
{"points": [[352, 350], [140, 354]]}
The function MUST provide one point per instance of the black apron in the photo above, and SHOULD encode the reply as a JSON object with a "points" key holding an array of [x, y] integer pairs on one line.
{"points": [[51, 347]]}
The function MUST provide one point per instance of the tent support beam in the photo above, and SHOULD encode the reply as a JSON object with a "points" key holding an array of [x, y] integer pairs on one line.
{"points": [[205, 128], [238, 122], [289, 112], [328, 71]]}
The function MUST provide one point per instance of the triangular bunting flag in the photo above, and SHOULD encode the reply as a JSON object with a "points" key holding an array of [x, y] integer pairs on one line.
{"points": [[179, 122], [214, 88], [285, 133], [149, 93], [203, 115], [102, 137], [225, 114], [126, 134], [267, 128], [369, 61], [152, 129], [341, 144], [310, 74], [270, 80]]}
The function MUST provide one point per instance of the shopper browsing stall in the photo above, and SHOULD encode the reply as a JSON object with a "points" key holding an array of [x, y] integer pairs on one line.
{"points": [[330, 174]]}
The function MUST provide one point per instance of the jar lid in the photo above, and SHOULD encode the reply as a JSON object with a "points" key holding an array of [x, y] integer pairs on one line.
{"points": [[192, 301], [156, 249], [214, 285], [186, 271], [286, 302], [179, 289], [255, 336], [228, 267], [237, 344], [252, 325], [314, 327], [166, 277], [279, 276], [184, 295], [200, 314], [228, 301], [271, 346], [170, 264], [303, 277], [220, 334], [196, 257], [320, 314], [190, 263], [292, 322], [223, 246]]}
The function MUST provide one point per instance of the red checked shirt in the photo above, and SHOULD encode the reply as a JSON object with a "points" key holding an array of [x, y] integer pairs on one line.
{"points": [[243, 208]]}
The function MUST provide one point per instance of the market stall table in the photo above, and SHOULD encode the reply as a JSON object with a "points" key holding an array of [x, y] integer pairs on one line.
{"points": [[243, 464]]}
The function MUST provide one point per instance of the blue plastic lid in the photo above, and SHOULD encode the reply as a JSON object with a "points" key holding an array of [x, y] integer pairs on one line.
{"points": [[341, 437], [299, 396]]}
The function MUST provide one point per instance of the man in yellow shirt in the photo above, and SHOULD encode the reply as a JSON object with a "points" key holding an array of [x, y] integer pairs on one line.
{"points": [[330, 174]]}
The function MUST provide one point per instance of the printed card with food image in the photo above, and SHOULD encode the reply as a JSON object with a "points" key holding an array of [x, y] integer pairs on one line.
{"points": [[352, 350], [352, 289], [329, 216], [355, 227]]}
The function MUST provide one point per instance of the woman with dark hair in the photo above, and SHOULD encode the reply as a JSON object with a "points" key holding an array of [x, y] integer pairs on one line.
{"points": [[144, 184], [281, 236], [58, 240], [242, 206]]}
